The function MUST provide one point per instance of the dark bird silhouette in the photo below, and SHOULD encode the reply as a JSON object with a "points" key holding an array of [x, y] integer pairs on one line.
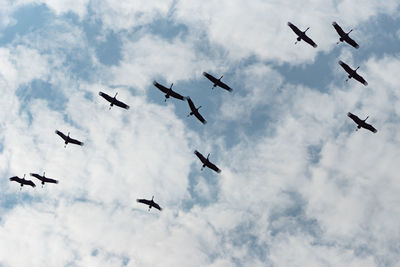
{"points": [[352, 73], [361, 123], [22, 181], [68, 139], [44, 179], [150, 203], [195, 111], [301, 35], [206, 162], [217, 82], [113, 100], [168, 91], [344, 36]]}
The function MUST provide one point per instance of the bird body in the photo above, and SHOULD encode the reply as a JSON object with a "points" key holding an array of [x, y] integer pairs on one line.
{"points": [[217, 82], [344, 36], [22, 181], [113, 100], [361, 123], [150, 203], [206, 162], [352, 73], [168, 91], [302, 35], [195, 111], [68, 139]]}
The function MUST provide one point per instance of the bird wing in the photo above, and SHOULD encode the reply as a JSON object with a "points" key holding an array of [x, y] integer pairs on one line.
{"points": [[155, 205], [74, 141], [210, 77], [213, 167], [191, 104], [15, 179], [63, 136], [199, 117], [36, 176], [49, 180], [360, 79], [351, 41], [338, 29], [176, 95], [29, 182], [144, 201], [345, 67], [295, 29], [106, 97], [162, 88], [121, 104], [370, 127], [309, 41], [224, 85], [200, 156], [354, 118]]}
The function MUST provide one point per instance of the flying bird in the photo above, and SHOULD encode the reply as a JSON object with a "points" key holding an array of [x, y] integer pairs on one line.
{"points": [[217, 82], [150, 203], [68, 139], [113, 100], [344, 36], [43, 178], [195, 111], [301, 35], [361, 123], [22, 181], [168, 91], [352, 73], [206, 162]]}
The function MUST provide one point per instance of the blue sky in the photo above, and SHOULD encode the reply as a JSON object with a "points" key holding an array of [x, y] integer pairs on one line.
{"points": [[299, 186]]}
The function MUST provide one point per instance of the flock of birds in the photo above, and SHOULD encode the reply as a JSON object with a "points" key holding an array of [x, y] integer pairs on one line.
{"points": [[301, 35]]}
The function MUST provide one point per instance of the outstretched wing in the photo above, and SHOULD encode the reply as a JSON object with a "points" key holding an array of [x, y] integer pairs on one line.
{"points": [[199, 117], [121, 104], [63, 136], [155, 205], [162, 88], [354, 118], [176, 95], [295, 29], [224, 85], [191, 104], [38, 176], [345, 67], [74, 141], [351, 41], [49, 180], [210, 77], [106, 97], [213, 167], [338, 29], [15, 179], [360, 79], [200, 156], [144, 201], [309, 41], [29, 182], [370, 127]]}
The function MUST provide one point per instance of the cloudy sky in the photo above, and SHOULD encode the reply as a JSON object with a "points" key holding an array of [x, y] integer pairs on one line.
{"points": [[299, 186]]}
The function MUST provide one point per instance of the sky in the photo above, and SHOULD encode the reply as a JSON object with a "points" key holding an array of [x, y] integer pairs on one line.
{"points": [[299, 185]]}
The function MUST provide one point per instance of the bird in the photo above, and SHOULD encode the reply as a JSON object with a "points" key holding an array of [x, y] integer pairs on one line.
{"points": [[113, 100], [195, 111], [206, 162], [151, 203], [217, 82], [68, 139], [44, 179], [168, 91], [344, 36], [352, 73], [302, 35], [22, 181], [361, 123]]}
